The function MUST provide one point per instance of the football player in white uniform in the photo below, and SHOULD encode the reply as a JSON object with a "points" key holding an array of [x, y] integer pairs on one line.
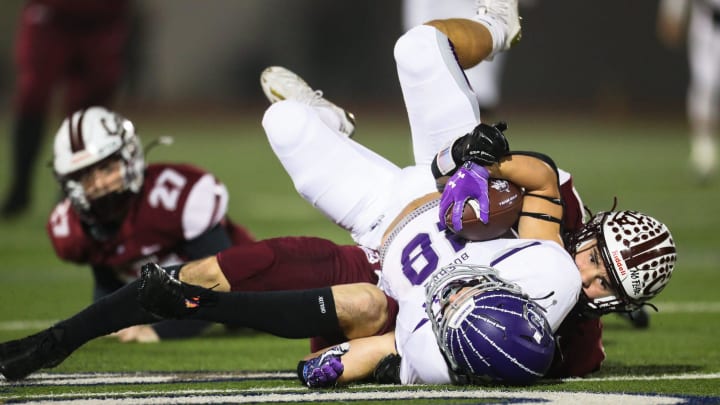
{"points": [[703, 93]]}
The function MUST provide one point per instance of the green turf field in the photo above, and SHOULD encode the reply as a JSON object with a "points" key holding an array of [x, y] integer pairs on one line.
{"points": [[642, 163]]}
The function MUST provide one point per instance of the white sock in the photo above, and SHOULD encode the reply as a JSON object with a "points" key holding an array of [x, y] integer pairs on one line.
{"points": [[497, 30]]}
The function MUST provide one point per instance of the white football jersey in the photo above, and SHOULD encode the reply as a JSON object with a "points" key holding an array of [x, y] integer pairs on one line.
{"points": [[416, 248]]}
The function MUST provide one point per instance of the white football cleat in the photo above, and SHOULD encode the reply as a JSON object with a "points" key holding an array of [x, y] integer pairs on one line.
{"points": [[279, 83], [506, 13]]}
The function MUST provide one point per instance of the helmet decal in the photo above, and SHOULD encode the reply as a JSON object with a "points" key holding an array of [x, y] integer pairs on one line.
{"points": [[76, 139]]}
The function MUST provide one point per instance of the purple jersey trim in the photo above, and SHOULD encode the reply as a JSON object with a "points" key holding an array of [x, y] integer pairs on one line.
{"points": [[420, 324], [512, 252]]}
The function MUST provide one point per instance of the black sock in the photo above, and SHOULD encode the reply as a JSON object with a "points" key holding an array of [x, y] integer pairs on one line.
{"points": [[290, 314], [109, 314]]}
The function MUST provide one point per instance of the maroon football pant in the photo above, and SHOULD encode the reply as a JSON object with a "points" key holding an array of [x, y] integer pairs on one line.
{"points": [[297, 263]]}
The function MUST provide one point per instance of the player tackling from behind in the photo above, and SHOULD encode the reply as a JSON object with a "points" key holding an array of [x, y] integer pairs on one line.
{"points": [[415, 252]]}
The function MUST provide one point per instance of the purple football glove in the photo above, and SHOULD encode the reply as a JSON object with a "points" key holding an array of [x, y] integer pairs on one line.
{"points": [[470, 182], [324, 370]]}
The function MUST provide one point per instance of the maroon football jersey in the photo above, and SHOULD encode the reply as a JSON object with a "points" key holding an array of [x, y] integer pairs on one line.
{"points": [[574, 210], [177, 203]]}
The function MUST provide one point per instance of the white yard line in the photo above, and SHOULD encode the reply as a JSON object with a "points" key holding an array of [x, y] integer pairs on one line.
{"points": [[164, 377], [276, 396], [290, 394]]}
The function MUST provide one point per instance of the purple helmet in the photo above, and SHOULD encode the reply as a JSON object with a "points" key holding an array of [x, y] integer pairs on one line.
{"points": [[639, 253], [490, 330]]}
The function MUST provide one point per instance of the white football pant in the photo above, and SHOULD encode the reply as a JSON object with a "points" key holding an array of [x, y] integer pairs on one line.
{"points": [[355, 187]]}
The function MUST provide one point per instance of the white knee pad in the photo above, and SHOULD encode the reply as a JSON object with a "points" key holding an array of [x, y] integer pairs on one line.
{"points": [[284, 122]]}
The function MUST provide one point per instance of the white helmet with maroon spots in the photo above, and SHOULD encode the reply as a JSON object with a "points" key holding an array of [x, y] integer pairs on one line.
{"points": [[86, 138], [639, 253]]}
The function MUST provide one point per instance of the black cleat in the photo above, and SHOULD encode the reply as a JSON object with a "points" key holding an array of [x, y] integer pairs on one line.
{"points": [[166, 297], [639, 318], [21, 357]]}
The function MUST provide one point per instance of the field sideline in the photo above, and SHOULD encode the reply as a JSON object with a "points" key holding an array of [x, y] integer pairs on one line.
{"points": [[643, 163]]}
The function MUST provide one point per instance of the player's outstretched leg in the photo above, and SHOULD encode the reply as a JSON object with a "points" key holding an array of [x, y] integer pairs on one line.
{"points": [[291, 314], [279, 83], [21, 357]]}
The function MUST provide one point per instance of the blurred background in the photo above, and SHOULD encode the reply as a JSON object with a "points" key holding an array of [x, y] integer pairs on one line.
{"points": [[585, 56]]}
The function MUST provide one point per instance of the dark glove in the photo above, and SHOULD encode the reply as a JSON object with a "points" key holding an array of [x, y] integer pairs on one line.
{"points": [[323, 371], [485, 145]]}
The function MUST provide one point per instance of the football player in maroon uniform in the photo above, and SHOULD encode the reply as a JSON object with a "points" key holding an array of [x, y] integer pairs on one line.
{"points": [[119, 213], [76, 45]]}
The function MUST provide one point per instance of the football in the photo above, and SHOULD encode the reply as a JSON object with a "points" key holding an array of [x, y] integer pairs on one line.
{"points": [[505, 204]]}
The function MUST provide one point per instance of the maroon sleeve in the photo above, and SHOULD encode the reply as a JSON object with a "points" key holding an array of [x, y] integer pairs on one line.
{"points": [[580, 349], [66, 234], [573, 214]]}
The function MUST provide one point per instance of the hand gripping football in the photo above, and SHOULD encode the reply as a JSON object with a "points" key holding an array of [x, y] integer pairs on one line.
{"points": [[505, 204]]}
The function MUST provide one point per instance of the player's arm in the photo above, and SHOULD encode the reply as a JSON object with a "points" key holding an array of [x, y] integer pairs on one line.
{"points": [[484, 145], [69, 239], [201, 221], [487, 146], [542, 209], [353, 361]]}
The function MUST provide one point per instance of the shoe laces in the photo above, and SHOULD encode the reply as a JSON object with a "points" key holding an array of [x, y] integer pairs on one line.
{"points": [[314, 98], [302, 92]]}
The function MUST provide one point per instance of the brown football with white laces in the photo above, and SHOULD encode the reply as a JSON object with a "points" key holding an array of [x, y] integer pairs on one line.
{"points": [[505, 204]]}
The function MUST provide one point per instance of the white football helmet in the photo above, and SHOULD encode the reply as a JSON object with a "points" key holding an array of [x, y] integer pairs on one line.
{"points": [[639, 253], [90, 136]]}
